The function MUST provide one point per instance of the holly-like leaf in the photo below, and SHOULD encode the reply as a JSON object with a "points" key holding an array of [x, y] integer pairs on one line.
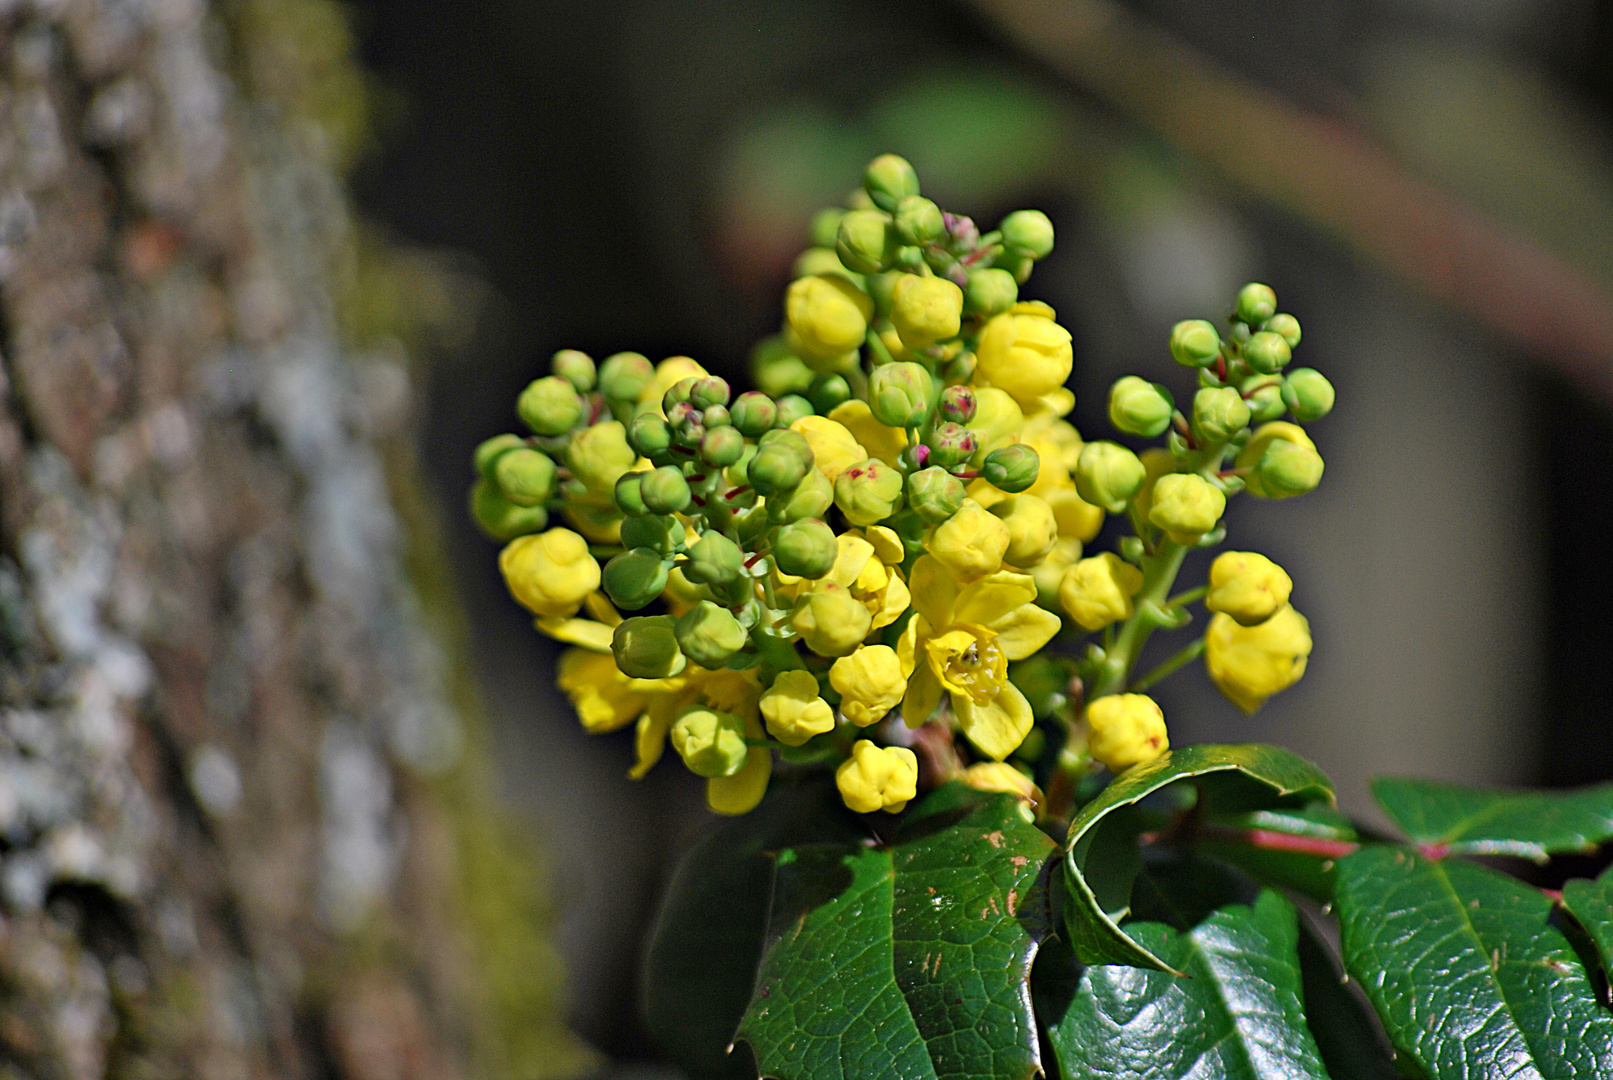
{"points": [[1591, 905], [708, 936], [1479, 821], [910, 960], [1466, 970], [1238, 1014], [1230, 779]]}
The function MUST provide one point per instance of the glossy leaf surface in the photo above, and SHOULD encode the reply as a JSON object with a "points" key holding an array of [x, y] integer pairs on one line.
{"points": [[1591, 905], [1477, 821]]}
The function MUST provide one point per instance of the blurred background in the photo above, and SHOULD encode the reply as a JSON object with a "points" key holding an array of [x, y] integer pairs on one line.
{"points": [[1426, 184]]}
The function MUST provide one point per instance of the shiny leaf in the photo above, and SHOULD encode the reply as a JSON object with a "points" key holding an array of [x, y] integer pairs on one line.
{"points": [[1479, 821]]}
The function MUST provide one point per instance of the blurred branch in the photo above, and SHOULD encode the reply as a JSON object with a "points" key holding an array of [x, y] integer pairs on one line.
{"points": [[1333, 176]]}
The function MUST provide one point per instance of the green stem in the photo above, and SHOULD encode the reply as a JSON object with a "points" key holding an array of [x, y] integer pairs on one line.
{"points": [[1159, 574], [1186, 656], [1183, 598]]}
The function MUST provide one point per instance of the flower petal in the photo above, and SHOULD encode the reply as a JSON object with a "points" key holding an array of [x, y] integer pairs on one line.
{"points": [[852, 558], [1025, 629], [739, 793], [997, 727], [933, 589], [993, 597], [589, 634], [907, 646], [922, 698]]}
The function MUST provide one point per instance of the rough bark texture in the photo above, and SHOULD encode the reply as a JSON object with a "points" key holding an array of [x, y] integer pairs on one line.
{"points": [[242, 829]]}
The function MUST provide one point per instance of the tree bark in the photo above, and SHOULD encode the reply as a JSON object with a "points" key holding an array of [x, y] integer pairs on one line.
{"points": [[243, 829]]}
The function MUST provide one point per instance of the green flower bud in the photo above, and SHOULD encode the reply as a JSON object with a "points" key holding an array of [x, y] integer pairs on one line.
{"points": [[1108, 475], [665, 491], [825, 226], [882, 288], [918, 220], [526, 477], [649, 435], [1285, 326], [710, 635], [1219, 414], [624, 376], [659, 532], [791, 407], [488, 452], [753, 414], [951, 444], [934, 494], [646, 647], [990, 291], [781, 462], [1020, 266], [1308, 394], [957, 404], [827, 391], [811, 498], [823, 260], [714, 560], [805, 548], [1027, 233], [1186, 506], [716, 416], [709, 391], [629, 495], [867, 241], [899, 394], [689, 431], [1194, 343], [577, 368], [959, 369], [722, 446], [678, 394], [1267, 352], [1265, 397], [500, 518], [549, 406], [1139, 407], [711, 743], [1287, 469], [634, 578], [1012, 468], [775, 369], [888, 180], [1256, 303], [925, 310], [868, 492]]}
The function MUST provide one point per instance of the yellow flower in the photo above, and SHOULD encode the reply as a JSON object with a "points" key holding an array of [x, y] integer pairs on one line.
{"points": [[1097, 591], [884, 443], [1001, 776], [870, 574], [828, 314], [598, 456], [1186, 506], [550, 573], [1247, 586], [925, 310], [604, 698], [1049, 573], [1032, 532], [1157, 462], [1125, 730], [971, 543], [1058, 445], [959, 643], [1028, 355], [793, 709], [878, 778], [671, 370], [997, 422], [1255, 449], [734, 692], [830, 620], [834, 450], [1250, 663], [870, 683]]}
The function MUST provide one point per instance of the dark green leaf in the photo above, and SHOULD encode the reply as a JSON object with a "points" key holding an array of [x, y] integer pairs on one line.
{"points": [[1297, 849], [1591, 905], [1466, 970], [1238, 1015], [1476, 821], [908, 961], [1231, 779], [708, 936]]}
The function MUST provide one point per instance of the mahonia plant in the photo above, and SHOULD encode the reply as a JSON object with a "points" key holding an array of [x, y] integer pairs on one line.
{"points": [[867, 586]]}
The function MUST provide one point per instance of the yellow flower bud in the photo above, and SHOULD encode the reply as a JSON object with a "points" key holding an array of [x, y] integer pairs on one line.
{"points": [[672, 370], [971, 543], [1157, 461], [1125, 730], [1186, 506], [870, 683], [925, 310], [1077, 519], [793, 709], [829, 315], [599, 455], [882, 442], [1001, 776], [1255, 449], [1049, 573], [1250, 663], [1027, 355], [878, 778], [834, 449], [997, 421], [551, 573], [1247, 586], [1032, 532], [1097, 591], [830, 620]]}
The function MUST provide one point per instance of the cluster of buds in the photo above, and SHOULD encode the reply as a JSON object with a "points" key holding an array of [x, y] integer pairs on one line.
{"points": [[849, 568]]}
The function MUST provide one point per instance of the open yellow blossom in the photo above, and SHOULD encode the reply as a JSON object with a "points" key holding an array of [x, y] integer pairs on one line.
{"points": [[1250, 663], [971, 543], [793, 709], [834, 450], [870, 683], [959, 643], [604, 698], [735, 692], [878, 778], [882, 442], [1097, 591], [1125, 730], [1247, 586], [1027, 354], [549, 573], [873, 579]]}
